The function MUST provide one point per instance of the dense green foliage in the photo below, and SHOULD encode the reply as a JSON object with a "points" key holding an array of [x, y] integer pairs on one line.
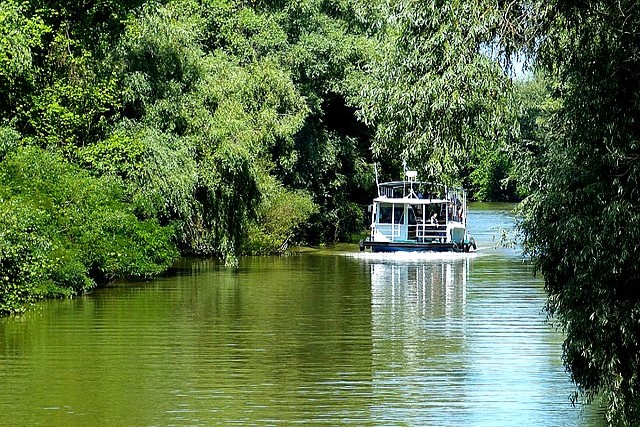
{"points": [[582, 222], [224, 122], [62, 230], [435, 94], [234, 124]]}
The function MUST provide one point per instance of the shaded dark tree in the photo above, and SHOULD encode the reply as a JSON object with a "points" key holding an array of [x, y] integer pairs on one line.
{"points": [[581, 224]]}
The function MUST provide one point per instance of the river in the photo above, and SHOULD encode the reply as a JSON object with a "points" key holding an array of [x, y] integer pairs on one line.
{"points": [[324, 337]]}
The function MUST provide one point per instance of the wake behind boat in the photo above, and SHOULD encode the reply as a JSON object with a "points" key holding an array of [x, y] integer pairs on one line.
{"points": [[411, 215]]}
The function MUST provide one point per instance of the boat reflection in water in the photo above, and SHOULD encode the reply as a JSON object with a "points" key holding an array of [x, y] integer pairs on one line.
{"points": [[418, 339], [427, 290]]}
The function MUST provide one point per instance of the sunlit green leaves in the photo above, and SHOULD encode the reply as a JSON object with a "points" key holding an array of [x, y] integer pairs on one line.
{"points": [[435, 90], [161, 53], [19, 33], [9, 140], [242, 32], [223, 109], [280, 214], [63, 230]]}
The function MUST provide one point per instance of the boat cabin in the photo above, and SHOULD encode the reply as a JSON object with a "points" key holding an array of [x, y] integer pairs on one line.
{"points": [[414, 215]]}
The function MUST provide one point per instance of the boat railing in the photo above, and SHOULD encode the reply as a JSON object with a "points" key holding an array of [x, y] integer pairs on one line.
{"points": [[420, 190], [392, 231], [396, 231], [428, 232], [418, 232]]}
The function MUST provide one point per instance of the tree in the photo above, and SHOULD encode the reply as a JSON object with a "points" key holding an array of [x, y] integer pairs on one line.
{"points": [[329, 43], [505, 169], [220, 96], [19, 35], [582, 222], [436, 89]]}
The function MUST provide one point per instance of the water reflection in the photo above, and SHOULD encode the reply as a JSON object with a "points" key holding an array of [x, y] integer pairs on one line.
{"points": [[432, 289], [418, 340], [462, 341]]}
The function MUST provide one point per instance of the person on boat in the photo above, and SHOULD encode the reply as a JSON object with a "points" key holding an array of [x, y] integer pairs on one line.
{"points": [[434, 219]]}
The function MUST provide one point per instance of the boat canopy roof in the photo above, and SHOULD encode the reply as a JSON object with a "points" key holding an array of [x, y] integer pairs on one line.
{"points": [[411, 200], [419, 192], [397, 184]]}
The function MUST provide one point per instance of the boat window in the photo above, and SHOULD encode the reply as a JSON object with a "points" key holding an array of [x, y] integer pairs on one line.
{"points": [[415, 214], [411, 216], [398, 214], [385, 213]]}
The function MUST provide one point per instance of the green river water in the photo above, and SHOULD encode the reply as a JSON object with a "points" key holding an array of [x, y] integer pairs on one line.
{"points": [[331, 337]]}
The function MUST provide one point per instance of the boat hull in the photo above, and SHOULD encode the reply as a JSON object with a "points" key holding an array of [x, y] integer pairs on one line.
{"points": [[411, 247]]}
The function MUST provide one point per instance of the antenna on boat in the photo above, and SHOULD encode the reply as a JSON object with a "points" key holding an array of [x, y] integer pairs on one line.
{"points": [[411, 177], [375, 167]]}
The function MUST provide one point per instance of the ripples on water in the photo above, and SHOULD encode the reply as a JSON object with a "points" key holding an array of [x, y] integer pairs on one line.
{"points": [[329, 339]]}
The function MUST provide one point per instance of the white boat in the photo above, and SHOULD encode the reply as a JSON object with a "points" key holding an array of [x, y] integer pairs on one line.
{"points": [[411, 215]]}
